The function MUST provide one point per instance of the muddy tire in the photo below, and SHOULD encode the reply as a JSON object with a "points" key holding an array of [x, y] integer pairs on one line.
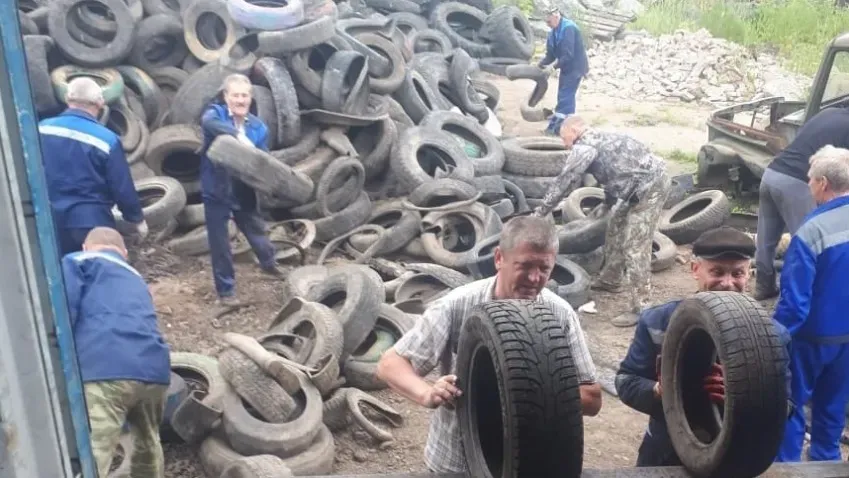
{"points": [[361, 367], [663, 252], [257, 466], [573, 282], [517, 351], [255, 386], [162, 198], [687, 220], [746, 433], [581, 201], [534, 156]]}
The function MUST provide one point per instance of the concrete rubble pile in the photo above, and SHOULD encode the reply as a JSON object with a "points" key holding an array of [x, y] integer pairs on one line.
{"points": [[690, 66]]}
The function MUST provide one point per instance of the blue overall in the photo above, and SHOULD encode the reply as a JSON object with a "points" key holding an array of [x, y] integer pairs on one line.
{"points": [[813, 304], [224, 196], [565, 45], [87, 174], [637, 376]]}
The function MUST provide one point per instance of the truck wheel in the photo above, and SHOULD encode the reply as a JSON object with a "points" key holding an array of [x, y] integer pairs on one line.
{"points": [[741, 438], [513, 357]]}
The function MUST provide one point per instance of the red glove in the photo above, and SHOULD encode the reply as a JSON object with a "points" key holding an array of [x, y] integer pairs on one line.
{"points": [[714, 384]]}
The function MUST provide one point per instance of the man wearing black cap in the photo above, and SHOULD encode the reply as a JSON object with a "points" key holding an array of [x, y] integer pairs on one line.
{"points": [[721, 262]]}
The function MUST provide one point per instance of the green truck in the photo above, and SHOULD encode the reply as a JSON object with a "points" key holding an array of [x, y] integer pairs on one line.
{"points": [[738, 151]]}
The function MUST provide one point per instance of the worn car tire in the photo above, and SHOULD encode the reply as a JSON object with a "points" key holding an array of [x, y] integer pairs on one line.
{"points": [[687, 220], [257, 466], [111, 53], [534, 156], [583, 235], [423, 154], [518, 352], [663, 252], [209, 52], [581, 201], [573, 282], [466, 129], [173, 151], [360, 369], [255, 386], [162, 198], [746, 433], [272, 72]]}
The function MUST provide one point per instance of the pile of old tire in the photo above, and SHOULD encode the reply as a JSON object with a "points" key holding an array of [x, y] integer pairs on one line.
{"points": [[741, 437], [283, 392]]}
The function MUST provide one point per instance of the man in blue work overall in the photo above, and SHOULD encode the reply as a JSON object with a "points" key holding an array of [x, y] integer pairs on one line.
{"points": [[224, 195], [86, 170], [564, 49], [124, 362], [813, 304], [722, 262]]}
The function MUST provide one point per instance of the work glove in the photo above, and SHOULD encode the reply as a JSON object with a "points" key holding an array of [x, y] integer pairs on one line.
{"points": [[141, 229], [714, 384]]}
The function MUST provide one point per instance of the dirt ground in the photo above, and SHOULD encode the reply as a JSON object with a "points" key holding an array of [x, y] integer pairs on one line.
{"points": [[184, 297]]}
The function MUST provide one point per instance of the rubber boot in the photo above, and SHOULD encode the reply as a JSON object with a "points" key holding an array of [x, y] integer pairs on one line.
{"points": [[765, 288]]}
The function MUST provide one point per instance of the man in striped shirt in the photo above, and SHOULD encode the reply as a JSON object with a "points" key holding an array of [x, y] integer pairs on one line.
{"points": [[524, 260]]}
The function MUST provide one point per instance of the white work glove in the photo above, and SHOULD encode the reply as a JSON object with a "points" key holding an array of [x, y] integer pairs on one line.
{"points": [[243, 138], [141, 229]]}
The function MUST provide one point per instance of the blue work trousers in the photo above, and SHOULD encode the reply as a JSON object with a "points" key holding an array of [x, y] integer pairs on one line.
{"points": [[820, 374], [217, 216], [567, 89], [71, 239]]}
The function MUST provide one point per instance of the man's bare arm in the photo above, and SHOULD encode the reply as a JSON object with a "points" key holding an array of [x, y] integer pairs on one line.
{"points": [[399, 374], [590, 399]]}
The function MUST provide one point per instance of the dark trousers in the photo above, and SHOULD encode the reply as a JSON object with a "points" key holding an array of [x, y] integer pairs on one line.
{"points": [[217, 216], [71, 239], [567, 89]]}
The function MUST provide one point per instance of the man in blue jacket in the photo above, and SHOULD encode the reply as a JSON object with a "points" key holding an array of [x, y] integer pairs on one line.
{"points": [[124, 362], [86, 170], [224, 195], [722, 263], [564, 49], [813, 304]]}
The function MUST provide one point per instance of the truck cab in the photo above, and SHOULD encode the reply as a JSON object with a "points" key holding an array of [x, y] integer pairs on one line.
{"points": [[738, 150]]}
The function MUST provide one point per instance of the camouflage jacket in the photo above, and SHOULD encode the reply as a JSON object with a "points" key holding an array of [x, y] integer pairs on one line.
{"points": [[625, 166]]}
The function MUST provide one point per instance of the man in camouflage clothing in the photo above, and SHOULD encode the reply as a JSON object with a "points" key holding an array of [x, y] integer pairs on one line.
{"points": [[635, 185]]}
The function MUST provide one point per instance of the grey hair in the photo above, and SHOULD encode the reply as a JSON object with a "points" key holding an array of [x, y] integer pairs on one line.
{"points": [[84, 90], [234, 79], [832, 164], [539, 232]]}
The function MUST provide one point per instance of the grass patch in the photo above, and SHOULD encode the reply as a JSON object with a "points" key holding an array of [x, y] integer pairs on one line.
{"points": [[661, 116], [680, 156], [798, 29]]}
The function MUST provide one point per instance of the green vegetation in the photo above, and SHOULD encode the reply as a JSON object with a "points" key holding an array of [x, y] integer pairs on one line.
{"points": [[680, 156], [798, 29]]}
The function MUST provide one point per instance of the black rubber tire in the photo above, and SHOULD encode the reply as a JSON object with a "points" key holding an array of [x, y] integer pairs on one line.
{"points": [[517, 351], [361, 367], [157, 7], [573, 282], [169, 79], [138, 83], [581, 201], [196, 40], [255, 386], [748, 430], [472, 18], [663, 252], [510, 33], [483, 264], [490, 92], [466, 128], [440, 192], [498, 65], [517, 196], [354, 215], [416, 96], [462, 67], [314, 321], [215, 454], [295, 39], [583, 235], [408, 22], [126, 125], [687, 220], [344, 83], [356, 297], [162, 198], [386, 84], [263, 107], [159, 43], [110, 78], [430, 40], [257, 466], [172, 151], [677, 193], [43, 95], [196, 93], [28, 25], [260, 170], [401, 224], [341, 168], [373, 143], [112, 53], [468, 225], [305, 146], [273, 73], [447, 158], [307, 65], [534, 156]]}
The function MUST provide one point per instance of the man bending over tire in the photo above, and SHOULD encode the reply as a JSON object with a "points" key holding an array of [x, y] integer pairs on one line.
{"points": [[722, 262], [635, 188], [224, 195], [124, 361], [524, 259], [813, 304]]}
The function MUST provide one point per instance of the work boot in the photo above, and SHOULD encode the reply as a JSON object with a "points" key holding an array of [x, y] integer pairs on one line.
{"points": [[627, 319], [229, 301], [602, 285], [765, 288], [273, 271]]}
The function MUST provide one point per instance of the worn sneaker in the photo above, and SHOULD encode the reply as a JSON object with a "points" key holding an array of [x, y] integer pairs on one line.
{"points": [[273, 271], [229, 301], [628, 319]]}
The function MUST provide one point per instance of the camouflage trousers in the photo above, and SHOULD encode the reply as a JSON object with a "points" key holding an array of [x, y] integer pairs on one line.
{"points": [[628, 244], [141, 405]]}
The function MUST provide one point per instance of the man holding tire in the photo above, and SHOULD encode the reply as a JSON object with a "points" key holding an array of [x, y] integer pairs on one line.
{"points": [[564, 49], [635, 186], [86, 170], [524, 260], [813, 304], [225, 196], [722, 262]]}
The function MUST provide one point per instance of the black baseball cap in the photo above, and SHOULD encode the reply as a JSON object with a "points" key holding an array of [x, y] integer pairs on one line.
{"points": [[724, 242]]}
